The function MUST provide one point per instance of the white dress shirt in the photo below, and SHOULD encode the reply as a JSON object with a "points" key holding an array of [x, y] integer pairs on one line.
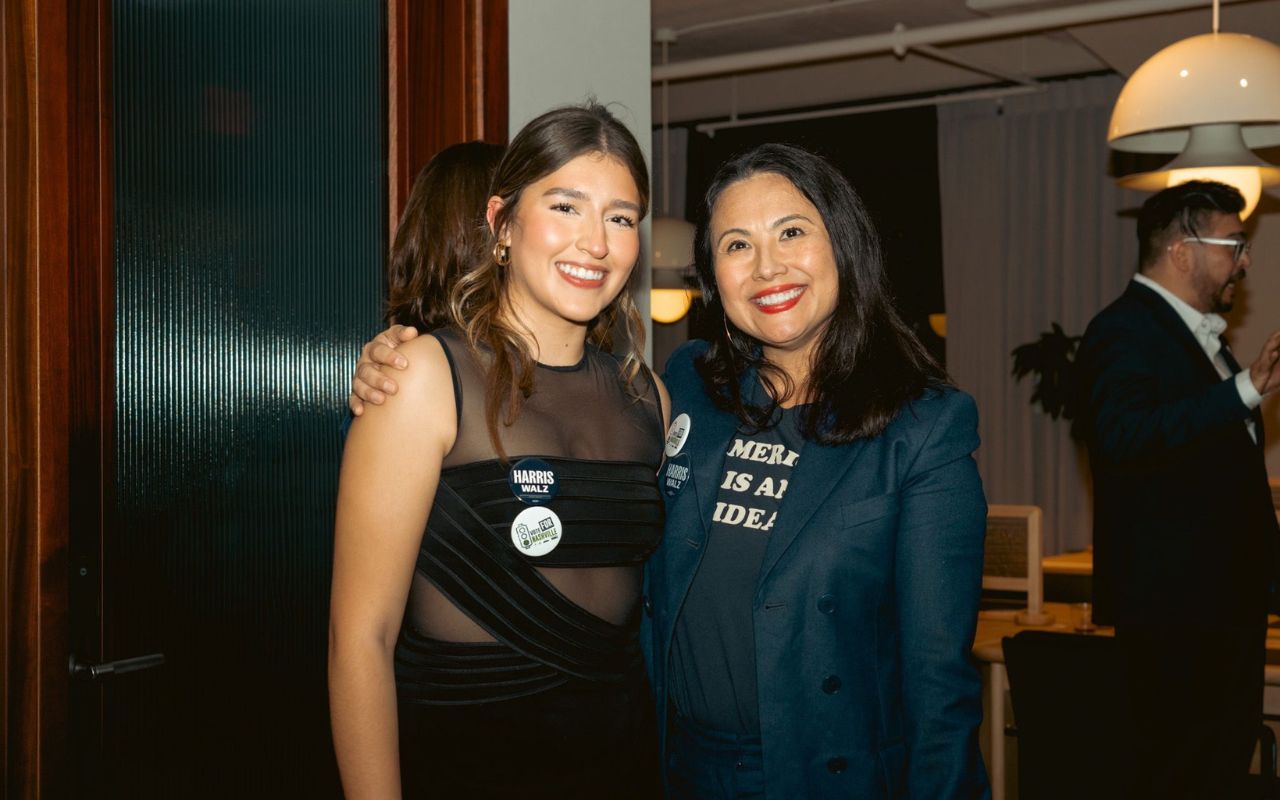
{"points": [[1207, 328]]}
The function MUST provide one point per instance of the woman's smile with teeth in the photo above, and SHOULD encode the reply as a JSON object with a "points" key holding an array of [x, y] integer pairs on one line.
{"points": [[774, 298], [581, 272]]}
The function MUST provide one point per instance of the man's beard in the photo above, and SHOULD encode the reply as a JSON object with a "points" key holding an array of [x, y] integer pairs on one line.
{"points": [[1221, 305]]}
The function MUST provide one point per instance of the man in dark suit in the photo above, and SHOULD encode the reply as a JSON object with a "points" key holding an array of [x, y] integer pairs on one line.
{"points": [[1185, 538]]}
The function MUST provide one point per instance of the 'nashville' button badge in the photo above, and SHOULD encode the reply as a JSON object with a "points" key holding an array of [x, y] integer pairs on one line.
{"points": [[536, 531], [677, 434]]}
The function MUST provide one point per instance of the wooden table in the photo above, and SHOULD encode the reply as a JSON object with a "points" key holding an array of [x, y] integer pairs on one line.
{"points": [[988, 648], [1078, 562]]}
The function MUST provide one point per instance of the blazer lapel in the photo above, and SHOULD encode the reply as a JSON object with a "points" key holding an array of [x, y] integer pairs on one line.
{"points": [[819, 471], [1168, 319]]}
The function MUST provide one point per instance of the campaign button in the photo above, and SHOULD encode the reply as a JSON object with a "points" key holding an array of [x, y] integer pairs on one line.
{"points": [[677, 434], [536, 531], [533, 481], [676, 474]]}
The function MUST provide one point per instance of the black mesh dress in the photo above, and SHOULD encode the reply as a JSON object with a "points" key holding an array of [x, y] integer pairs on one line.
{"points": [[521, 675]]}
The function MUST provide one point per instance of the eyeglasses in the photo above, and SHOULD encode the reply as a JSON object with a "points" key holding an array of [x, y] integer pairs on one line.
{"points": [[1240, 247]]}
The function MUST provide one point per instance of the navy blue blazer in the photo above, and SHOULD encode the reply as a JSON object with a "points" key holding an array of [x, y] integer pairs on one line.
{"points": [[865, 605], [1183, 525]]}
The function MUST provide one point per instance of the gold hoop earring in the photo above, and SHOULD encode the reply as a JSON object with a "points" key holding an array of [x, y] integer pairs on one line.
{"points": [[501, 254]]}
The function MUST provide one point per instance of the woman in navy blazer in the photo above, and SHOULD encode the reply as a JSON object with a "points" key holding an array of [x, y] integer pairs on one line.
{"points": [[858, 622]]}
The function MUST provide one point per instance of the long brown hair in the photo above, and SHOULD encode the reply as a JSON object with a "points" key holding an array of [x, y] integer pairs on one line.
{"points": [[477, 303], [441, 235]]}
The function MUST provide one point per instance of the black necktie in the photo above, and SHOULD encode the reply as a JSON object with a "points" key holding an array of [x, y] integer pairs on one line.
{"points": [[1234, 366]]}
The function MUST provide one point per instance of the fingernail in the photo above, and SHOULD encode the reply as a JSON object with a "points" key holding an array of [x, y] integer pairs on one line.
{"points": [[388, 388], [401, 363]]}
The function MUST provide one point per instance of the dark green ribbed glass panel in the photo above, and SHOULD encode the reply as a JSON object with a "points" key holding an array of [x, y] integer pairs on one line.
{"points": [[250, 225]]}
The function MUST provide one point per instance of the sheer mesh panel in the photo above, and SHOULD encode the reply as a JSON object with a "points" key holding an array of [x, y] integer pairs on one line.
{"points": [[605, 444]]}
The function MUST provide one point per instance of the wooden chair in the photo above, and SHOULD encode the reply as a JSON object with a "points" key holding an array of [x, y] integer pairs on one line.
{"points": [[1011, 561]]}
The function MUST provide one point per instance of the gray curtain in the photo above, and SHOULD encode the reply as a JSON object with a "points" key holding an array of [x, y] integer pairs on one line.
{"points": [[1034, 231]]}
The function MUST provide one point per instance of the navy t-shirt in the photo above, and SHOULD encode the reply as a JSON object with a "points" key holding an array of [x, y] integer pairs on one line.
{"points": [[713, 655]]}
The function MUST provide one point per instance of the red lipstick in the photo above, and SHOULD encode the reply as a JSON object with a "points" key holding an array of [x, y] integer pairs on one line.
{"points": [[794, 292]]}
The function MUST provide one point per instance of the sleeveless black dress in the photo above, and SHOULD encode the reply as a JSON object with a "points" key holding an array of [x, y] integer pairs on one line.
{"points": [[554, 703]]}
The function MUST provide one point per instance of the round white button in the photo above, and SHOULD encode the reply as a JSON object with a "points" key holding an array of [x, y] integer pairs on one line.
{"points": [[536, 531], [677, 434]]}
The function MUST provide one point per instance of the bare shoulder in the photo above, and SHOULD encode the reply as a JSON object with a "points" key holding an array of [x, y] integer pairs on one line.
{"points": [[427, 360], [425, 394]]}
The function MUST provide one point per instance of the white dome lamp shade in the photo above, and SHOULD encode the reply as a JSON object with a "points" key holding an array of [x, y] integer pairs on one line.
{"points": [[1214, 153], [672, 241], [1210, 99]]}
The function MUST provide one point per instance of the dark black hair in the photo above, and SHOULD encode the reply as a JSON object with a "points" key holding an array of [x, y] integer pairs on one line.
{"points": [[868, 364], [1181, 210]]}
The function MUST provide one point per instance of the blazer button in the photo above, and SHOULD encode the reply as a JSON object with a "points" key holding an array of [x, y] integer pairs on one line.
{"points": [[831, 684], [837, 765], [827, 604]]}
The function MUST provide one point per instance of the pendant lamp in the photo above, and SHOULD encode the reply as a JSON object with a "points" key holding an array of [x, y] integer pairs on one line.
{"points": [[1209, 99], [671, 238]]}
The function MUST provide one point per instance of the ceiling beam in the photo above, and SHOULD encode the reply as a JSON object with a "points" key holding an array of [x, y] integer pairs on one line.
{"points": [[903, 39]]}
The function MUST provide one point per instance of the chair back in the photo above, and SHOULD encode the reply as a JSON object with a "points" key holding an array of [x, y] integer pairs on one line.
{"points": [[1072, 716], [1011, 561]]}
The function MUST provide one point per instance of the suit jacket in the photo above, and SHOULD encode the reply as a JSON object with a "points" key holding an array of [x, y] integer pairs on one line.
{"points": [[865, 605], [1183, 523]]}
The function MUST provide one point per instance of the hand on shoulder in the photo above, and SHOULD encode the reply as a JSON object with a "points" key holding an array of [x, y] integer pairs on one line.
{"points": [[424, 406]]}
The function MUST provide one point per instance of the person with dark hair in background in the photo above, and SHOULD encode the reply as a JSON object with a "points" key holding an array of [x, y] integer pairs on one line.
{"points": [[1185, 536], [493, 517], [441, 234], [812, 607]]}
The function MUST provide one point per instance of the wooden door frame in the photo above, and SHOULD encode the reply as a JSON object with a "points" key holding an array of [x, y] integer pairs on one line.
{"points": [[54, 365], [57, 321], [446, 83]]}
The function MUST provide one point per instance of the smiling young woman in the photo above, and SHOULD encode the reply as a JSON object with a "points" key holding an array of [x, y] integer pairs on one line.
{"points": [[484, 634]]}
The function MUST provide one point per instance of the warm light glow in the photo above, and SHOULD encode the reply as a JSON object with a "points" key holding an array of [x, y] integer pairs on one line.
{"points": [[669, 305], [1215, 153], [1248, 180], [939, 324]]}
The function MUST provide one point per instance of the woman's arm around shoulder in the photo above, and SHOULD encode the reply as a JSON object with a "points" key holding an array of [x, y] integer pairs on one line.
{"points": [[938, 581], [390, 468]]}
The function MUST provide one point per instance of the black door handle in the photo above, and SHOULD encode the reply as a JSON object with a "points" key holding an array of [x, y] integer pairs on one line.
{"points": [[96, 672]]}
